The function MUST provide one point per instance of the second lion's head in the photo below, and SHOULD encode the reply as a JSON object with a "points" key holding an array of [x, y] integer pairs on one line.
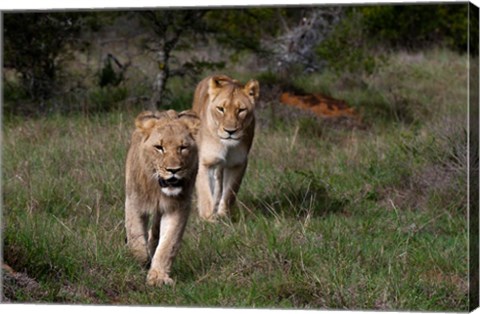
{"points": [[231, 107]]}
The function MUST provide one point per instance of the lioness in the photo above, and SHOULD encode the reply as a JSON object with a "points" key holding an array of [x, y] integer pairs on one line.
{"points": [[226, 109], [161, 166]]}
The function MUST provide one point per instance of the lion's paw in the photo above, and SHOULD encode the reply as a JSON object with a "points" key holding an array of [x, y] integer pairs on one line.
{"points": [[222, 210], [157, 279]]}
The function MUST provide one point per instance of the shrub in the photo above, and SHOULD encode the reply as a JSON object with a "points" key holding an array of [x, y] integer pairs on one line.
{"points": [[348, 49], [33, 46], [418, 26], [107, 98]]}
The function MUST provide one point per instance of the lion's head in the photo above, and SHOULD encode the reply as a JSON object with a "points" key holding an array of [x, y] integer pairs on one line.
{"points": [[168, 148], [231, 107]]}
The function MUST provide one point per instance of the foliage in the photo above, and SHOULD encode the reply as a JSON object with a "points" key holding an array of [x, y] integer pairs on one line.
{"points": [[108, 76], [473, 29], [34, 44], [47, 59], [172, 30], [348, 48], [237, 29], [355, 45], [105, 98], [418, 26], [281, 38], [244, 29], [295, 47]]}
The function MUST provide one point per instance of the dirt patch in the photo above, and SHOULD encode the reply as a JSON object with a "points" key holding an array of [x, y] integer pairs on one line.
{"points": [[16, 282], [321, 105], [19, 287]]}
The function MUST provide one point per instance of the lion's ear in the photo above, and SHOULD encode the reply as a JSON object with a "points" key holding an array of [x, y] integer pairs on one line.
{"points": [[146, 120], [252, 89], [191, 120], [216, 83]]}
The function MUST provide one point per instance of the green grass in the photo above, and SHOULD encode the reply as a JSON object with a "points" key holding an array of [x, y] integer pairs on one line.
{"points": [[371, 218]]}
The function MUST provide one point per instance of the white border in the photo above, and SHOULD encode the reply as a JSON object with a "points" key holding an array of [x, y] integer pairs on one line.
{"points": [[126, 4], [6, 6], [81, 309]]}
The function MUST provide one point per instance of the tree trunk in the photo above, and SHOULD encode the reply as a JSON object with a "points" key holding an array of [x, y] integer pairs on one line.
{"points": [[158, 94]]}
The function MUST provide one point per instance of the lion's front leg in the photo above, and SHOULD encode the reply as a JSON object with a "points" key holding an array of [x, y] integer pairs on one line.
{"points": [[136, 228], [205, 187], [231, 184], [172, 226], [154, 234], [216, 176]]}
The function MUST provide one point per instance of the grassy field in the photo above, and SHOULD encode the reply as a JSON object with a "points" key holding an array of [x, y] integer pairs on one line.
{"points": [[328, 217]]}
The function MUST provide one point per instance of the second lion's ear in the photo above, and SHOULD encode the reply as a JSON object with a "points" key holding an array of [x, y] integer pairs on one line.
{"points": [[252, 89], [215, 84]]}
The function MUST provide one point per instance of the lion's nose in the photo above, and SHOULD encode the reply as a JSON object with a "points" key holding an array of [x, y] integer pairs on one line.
{"points": [[173, 170], [230, 131]]}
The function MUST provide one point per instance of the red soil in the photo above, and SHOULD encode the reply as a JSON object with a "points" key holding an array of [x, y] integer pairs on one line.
{"points": [[323, 106]]}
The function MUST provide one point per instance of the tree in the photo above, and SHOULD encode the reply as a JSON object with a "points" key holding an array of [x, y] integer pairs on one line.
{"points": [[245, 29], [240, 30], [296, 45], [172, 29], [33, 44], [281, 37]]}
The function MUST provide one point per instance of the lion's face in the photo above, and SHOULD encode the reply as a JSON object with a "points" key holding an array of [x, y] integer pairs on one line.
{"points": [[231, 108], [169, 150]]}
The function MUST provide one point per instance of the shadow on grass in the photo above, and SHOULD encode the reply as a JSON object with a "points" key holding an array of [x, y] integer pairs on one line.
{"points": [[299, 194]]}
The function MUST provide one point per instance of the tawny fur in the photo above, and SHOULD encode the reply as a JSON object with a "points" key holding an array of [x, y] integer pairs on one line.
{"points": [[226, 109], [161, 167]]}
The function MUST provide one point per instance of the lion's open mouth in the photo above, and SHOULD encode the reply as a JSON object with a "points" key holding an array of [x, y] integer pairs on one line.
{"points": [[172, 182]]}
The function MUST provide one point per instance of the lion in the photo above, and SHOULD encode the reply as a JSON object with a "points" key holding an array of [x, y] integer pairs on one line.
{"points": [[226, 110], [161, 167]]}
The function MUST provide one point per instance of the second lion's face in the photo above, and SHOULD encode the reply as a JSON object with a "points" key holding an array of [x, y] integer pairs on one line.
{"points": [[231, 109]]}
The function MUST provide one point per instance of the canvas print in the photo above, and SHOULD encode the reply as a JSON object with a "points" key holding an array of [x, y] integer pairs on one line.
{"points": [[317, 157]]}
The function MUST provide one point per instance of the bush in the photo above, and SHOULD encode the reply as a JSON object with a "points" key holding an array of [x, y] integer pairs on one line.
{"points": [[107, 75], [107, 98], [355, 43], [418, 26], [348, 49], [34, 43]]}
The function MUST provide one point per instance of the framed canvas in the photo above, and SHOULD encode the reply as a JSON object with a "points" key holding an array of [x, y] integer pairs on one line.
{"points": [[294, 156]]}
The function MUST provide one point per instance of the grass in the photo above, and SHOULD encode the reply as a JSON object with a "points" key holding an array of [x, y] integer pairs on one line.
{"points": [[341, 218]]}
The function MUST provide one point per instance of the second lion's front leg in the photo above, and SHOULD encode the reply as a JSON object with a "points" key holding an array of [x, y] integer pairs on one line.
{"points": [[232, 179], [204, 193], [172, 226], [216, 176], [209, 187]]}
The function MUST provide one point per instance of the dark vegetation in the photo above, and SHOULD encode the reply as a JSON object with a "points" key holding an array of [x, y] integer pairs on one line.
{"points": [[41, 63]]}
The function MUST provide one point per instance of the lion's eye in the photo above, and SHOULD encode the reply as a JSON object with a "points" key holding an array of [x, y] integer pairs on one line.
{"points": [[241, 110], [159, 148], [183, 148], [220, 109]]}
